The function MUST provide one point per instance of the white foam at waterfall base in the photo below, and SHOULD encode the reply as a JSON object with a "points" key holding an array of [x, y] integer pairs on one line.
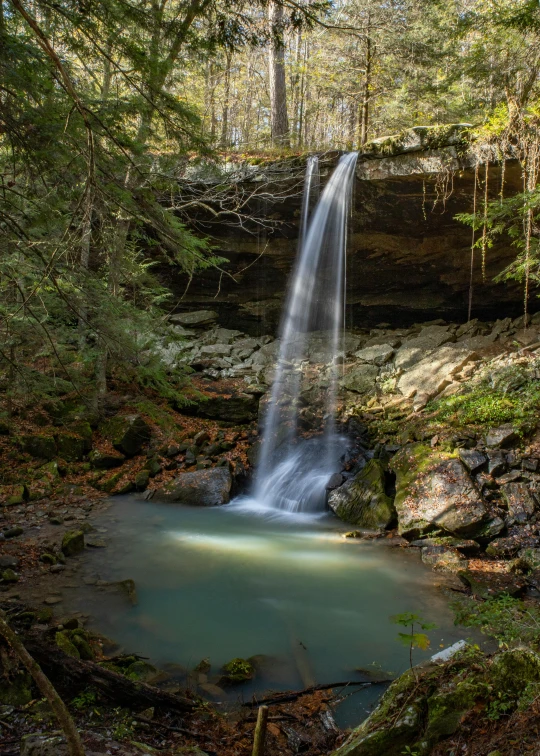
{"points": [[292, 473]]}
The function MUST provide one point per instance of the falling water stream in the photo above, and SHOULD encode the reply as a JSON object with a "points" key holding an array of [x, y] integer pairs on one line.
{"points": [[292, 473]]}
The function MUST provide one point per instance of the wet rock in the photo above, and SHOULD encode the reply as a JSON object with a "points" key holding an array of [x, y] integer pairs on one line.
{"points": [[39, 446], [362, 500], [73, 542], [142, 479], [125, 587], [63, 641], [444, 559], [361, 379], [465, 545], [213, 692], [472, 459], [334, 481], [520, 502], [435, 492], [376, 354], [141, 671], [198, 319], [127, 433], [105, 460], [237, 671], [206, 488], [503, 436]]}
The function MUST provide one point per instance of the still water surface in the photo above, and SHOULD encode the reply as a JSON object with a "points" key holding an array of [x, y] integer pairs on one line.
{"points": [[230, 581]]}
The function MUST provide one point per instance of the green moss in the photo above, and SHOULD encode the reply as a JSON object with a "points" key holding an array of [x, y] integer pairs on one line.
{"points": [[363, 501], [238, 671], [16, 690], [63, 641], [161, 416]]}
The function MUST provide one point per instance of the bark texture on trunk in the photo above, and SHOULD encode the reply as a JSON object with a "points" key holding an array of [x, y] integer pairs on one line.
{"points": [[277, 79]]}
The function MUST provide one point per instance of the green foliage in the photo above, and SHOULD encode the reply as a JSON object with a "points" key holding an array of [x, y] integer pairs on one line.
{"points": [[506, 395], [84, 700], [505, 618], [413, 639]]}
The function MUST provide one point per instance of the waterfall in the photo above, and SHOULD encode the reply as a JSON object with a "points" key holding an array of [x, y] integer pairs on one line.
{"points": [[292, 472]]}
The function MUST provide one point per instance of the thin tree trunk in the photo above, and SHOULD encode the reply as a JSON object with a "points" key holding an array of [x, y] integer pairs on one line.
{"points": [[277, 80], [75, 746], [224, 141], [364, 107]]}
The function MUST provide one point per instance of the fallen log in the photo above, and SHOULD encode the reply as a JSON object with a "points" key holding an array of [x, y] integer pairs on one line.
{"points": [[293, 695], [71, 675]]}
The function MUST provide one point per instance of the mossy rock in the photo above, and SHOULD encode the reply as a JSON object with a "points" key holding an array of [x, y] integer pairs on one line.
{"points": [[39, 446], [447, 709], [142, 479], [237, 671], [50, 470], [12, 496], [511, 671], [16, 690], [79, 638], [140, 671], [127, 433], [73, 542], [108, 483], [382, 734], [9, 576], [105, 460], [70, 447], [64, 642], [362, 500]]}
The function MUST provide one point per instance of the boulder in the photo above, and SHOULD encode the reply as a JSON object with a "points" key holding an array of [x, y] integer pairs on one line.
{"points": [[127, 433], [520, 502], [236, 408], [472, 459], [205, 488], [73, 542], [39, 446], [71, 447], [105, 460], [198, 319], [444, 559], [430, 337], [236, 672], [362, 500], [376, 354], [503, 436], [433, 373], [361, 379], [433, 492]]}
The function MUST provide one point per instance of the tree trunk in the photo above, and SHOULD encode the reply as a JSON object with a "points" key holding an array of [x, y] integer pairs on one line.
{"points": [[363, 120], [224, 141], [278, 86]]}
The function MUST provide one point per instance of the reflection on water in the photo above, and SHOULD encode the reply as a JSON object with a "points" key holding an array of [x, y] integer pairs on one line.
{"points": [[228, 582]]}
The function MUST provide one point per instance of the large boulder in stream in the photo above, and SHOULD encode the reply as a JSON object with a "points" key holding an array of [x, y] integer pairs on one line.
{"points": [[362, 500], [203, 488], [434, 491]]}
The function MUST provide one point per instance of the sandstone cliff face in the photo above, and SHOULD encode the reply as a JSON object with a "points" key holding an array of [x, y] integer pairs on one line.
{"points": [[408, 259]]}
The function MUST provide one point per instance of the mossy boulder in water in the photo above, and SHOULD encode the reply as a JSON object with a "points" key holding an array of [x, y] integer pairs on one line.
{"points": [[362, 500], [237, 671], [127, 433]]}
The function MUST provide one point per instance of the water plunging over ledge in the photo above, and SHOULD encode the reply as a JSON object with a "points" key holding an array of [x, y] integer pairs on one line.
{"points": [[292, 473]]}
